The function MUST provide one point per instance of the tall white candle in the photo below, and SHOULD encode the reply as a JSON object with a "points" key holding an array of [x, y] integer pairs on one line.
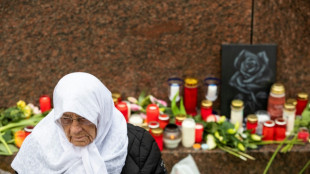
{"points": [[188, 132], [174, 88], [212, 92]]}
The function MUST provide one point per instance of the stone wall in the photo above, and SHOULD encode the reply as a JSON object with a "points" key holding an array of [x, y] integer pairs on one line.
{"points": [[137, 45]]}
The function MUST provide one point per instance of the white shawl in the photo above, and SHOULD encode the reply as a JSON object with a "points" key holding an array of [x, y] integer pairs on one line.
{"points": [[47, 150]]}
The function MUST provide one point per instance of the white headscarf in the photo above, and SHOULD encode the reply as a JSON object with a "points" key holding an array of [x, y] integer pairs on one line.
{"points": [[47, 150]]}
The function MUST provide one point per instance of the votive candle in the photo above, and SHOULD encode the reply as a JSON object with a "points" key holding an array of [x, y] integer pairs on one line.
{"points": [[45, 103]]}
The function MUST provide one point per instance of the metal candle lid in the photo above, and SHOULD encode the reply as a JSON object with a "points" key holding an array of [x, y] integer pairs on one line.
{"points": [[302, 96], [157, 131], [280, 121], [191, 82], [180, 117], [289, 106], [269, 123], [237, 103], [252, 118], [277, 88], [206, 103], [292, 101]]}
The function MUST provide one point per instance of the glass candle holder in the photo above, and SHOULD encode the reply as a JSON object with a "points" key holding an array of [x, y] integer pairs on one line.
{"points": [[280, 129], [303, 134], [123, 108], [211, 88], [172, 136], [188, 132], [289, 116], [45, 103], [175, 86], [302, 100], [163, 121], [190, 95], [117, 96], [152, 113], [157, 134], [205, 109], [136, 120], [276, 101], [28, 130], [262, 116], [251, 123], [198, 133], [236, 113], [153, 125], [179, 119], [268, 130]]}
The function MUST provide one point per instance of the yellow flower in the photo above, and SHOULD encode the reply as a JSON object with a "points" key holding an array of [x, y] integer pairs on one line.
{"points": [[256, 137], [27, 111], [241, 147], [21, 104], [231, 131], [222, 119]]}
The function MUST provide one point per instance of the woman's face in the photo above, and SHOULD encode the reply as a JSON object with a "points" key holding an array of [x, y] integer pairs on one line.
{"points": [[79, 131]]}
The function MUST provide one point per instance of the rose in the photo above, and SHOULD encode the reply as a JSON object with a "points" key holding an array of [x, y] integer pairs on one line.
{"points": [[251, 79]]}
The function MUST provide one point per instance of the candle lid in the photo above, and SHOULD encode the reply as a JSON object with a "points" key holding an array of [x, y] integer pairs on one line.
{"points": [[237, 103], [206, 103], [199, 126], [277, 88], [157, 131], [204, 146], [302, 95], [152, 107], [180, 117], [252, 118], [116, 95], [280, 121], [289, 106], [196, 146], [191, 82], [153, 124], [269, 123], [115, 100], [163, 117], [292, 101], [28, 128]]}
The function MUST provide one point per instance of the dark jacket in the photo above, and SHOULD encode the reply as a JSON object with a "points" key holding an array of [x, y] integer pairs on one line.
{"points": [[143, 156]]}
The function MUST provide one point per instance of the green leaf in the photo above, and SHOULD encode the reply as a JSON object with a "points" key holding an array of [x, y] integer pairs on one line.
{"points": [[7, 135], [182, 108], [141, 97], [174, 107]]}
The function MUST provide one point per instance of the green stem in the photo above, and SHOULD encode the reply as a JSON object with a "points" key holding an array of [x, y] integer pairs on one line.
{"points": [[241, 153], [303, 169], [5, 145], [278, 142], [274, 155], [233, 153]]}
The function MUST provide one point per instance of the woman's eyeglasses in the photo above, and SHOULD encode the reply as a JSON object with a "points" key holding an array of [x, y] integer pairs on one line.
{"points": [[68, 121]]}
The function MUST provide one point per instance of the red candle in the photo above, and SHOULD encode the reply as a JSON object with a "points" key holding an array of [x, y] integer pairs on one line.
{"points": [[280, 129], [303, 134], [190, 96], [179, 119], [153, 125], [268, 130], [157, 134], [45, 103], [206, 109], [302, 100], [251, 123], [123, 108], [152, 113], [163, 121], [28, 130], [198, 132]]}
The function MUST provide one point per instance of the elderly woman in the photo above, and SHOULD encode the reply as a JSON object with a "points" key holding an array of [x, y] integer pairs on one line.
{"points": [[85, 133]]}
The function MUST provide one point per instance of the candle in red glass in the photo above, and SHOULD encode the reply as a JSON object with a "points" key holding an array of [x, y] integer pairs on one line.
{"points": [[163, 121], [28, 130], [302, 100], [153, 125], [303, 134], [152, 113], [123, 108], [276, 101], [280, 129], [198, 133], [251, 123], [117, 96], [206, 109], [45, 103], [190, 96], [157, 134], [268, 130], [179, 119]]}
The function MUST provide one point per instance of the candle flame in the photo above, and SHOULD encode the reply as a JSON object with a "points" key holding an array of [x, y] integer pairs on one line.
{"points": [[172, 137]]}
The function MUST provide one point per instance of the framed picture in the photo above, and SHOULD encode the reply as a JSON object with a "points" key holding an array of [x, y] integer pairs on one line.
{"points": [[247, 73]]}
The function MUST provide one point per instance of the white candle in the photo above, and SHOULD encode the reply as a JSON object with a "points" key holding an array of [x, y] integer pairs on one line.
{"points": [[174, 88], [188, 132], [136, 119], [212, 92]]}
